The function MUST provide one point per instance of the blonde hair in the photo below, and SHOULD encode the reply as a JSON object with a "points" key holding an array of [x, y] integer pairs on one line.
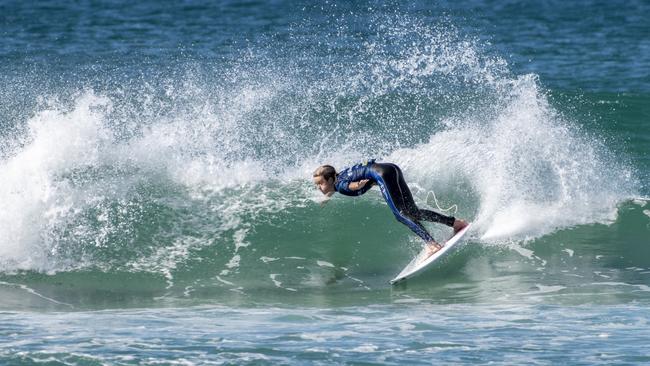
{"points": [[326, 171]]}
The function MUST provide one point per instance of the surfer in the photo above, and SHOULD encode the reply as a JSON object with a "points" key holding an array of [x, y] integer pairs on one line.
{"points": [[358, 179]]}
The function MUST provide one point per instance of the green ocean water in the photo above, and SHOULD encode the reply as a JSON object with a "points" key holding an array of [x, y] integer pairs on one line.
{"points": [[157, 204]]}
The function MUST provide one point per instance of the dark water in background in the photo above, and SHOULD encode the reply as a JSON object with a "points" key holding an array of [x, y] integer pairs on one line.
{"points": [[157, 208]]}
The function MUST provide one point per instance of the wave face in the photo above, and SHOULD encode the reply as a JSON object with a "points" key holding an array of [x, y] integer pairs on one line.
{"points": [[192, 181]]}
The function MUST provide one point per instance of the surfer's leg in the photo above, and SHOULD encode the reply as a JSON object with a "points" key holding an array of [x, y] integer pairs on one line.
{"points": [[401, 194], [428, 215], [388, 176], [414, 211]]}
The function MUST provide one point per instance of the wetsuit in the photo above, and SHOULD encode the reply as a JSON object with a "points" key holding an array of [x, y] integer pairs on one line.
{"points": [[395, 191]]}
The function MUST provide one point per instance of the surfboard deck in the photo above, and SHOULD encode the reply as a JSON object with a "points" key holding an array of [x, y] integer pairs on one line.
{"points": [[420, 262]]}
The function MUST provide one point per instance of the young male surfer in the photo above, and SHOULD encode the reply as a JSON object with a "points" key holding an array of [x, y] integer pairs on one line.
{"points": [[358, 179]]}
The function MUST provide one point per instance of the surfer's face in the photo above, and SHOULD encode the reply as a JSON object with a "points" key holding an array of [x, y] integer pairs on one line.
{"points": [[324, 185]]}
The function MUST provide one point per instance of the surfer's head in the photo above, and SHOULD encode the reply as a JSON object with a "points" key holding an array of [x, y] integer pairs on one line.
{"points": [[324, 177]]}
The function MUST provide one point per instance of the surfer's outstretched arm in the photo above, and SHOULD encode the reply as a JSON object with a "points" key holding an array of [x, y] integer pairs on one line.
{"points": [[355, 186]]}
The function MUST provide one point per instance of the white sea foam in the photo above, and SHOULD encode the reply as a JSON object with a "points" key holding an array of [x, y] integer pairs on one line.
{"points": [[325, 264]]}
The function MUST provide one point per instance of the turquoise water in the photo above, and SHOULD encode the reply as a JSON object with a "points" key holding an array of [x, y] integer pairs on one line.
{"points": [[157, 206]]}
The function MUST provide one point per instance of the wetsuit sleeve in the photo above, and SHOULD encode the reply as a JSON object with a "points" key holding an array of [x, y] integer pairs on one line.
{"points": [[354, 174], [342, 187]]}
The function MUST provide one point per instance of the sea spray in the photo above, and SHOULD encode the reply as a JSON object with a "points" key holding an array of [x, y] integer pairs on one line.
{"points": [[529, 170]]}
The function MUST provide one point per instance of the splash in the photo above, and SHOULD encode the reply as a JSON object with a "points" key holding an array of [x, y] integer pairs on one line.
{"points": [[33, 199], [527, 169]]}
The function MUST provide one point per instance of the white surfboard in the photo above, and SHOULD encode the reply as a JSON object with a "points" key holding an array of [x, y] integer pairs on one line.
{"points": [[420, 262]]}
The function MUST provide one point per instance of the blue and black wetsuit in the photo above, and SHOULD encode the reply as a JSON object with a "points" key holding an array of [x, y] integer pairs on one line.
{"points": [[391, 182]]}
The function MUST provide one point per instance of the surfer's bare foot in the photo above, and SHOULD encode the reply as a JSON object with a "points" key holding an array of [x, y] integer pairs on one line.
{"points": [[459, 225], [432, 248]]}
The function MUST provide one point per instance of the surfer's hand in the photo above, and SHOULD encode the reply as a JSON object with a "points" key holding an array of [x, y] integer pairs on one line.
{"points": [[355, 186]]}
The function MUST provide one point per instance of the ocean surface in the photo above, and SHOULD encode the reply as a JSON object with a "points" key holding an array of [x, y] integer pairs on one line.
{"points": [[156, 203]]}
